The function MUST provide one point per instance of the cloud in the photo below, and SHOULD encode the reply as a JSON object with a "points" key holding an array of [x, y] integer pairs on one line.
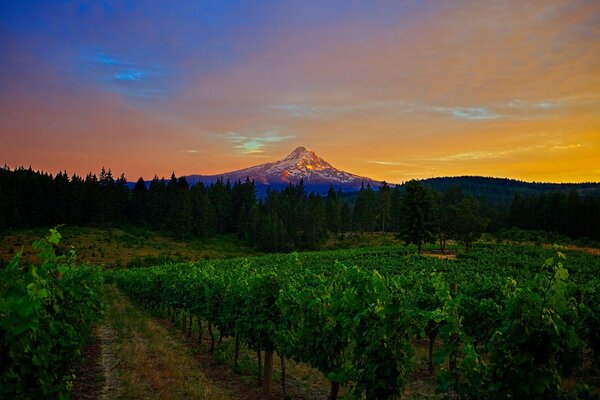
{"points": [[503, 153], [255, 144], [474, 113], [321, 111], [134, 80], [478, 113], [130, 75], [393, 163], [566, 146]]}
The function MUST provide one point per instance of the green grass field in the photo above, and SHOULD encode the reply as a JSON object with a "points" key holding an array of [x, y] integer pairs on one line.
{"points": [[134, 247]]}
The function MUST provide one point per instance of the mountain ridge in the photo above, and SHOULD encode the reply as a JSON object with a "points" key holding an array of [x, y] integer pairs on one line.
{"points": [[300, 164]]}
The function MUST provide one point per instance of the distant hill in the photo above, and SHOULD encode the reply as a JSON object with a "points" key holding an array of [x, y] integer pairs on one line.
{"points": [[502, 190]]}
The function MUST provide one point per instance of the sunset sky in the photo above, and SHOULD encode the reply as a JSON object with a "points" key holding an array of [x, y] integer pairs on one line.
{"points": [[392, 90]]}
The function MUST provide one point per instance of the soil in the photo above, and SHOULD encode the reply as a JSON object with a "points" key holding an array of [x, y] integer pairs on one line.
{"points": [[95, 376]]}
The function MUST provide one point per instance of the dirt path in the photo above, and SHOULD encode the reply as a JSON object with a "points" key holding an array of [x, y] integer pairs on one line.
{"points": [[138, 355], [302, 381], [111, 388], [95, 374], [131, 356]]}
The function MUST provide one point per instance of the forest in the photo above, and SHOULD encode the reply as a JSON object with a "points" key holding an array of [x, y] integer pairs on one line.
{"points": [[288, 219]]}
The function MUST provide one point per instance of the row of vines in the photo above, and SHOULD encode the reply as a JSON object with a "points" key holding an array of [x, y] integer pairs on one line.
{"points": [[46, 314], [508, 322]]}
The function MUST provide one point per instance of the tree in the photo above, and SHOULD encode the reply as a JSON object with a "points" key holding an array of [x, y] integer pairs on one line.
{"points": [[204, 217], [469, 224], [384, 205], [418, 214], [365, 210], [332, 210], [448, 215], [345, 217], [138, 210], [315, 230]]}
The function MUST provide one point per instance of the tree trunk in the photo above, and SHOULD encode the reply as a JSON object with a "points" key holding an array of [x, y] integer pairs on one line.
{"points": [[236, 354], [454, 338], [259, 356], [199, 330], [190, 326], [335, 389], [212, 338], [220, 338], [268, 373], [432, 336], [283, 382], [183, 323]]}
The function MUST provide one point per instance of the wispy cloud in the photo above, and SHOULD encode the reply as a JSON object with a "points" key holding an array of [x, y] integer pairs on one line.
{"points": [[514, 109], [566, 146], [531, 106], [300, 110], [134, 80], [255, 144], [474, 113], [469, 113], [393, 163], [130, 75], [503, 153]]}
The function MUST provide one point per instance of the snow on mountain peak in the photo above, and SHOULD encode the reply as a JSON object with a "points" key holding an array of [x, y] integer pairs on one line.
{"points": [[299, 164], [301, 159]]}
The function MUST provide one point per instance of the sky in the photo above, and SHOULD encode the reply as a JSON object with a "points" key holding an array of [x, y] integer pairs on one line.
{"points": [[392, 90]]}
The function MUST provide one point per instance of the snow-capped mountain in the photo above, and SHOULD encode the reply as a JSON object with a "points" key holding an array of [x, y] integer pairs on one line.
{"points": [[301, 163]]}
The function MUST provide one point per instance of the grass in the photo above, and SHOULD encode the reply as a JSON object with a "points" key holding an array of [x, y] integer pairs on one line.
{"points": [[149, 362], [303, 381], [131, 247], [360, 239], [138, 247]]}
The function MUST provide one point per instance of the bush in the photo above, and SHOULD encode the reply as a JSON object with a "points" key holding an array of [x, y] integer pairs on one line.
{"points": [[46, 314]]}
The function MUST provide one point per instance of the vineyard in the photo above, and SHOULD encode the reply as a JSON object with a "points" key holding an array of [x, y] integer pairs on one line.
{"points": [[46, 314], [501, 321]]}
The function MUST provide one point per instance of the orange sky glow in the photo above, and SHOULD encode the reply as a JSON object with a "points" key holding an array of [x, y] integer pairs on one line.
{"points": [[393, 91]]}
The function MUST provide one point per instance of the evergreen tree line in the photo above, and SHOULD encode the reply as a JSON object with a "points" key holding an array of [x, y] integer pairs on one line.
{"points": [[569, 213], [282, 220]]}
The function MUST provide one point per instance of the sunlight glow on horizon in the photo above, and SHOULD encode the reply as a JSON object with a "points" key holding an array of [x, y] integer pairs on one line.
{"points": [[390, 90]]}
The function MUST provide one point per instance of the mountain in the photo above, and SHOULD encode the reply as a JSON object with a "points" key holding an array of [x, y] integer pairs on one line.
{"points": [[300, 164]]}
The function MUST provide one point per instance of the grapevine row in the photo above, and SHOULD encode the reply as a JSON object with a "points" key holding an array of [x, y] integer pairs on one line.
{"points": [[356, 324]]}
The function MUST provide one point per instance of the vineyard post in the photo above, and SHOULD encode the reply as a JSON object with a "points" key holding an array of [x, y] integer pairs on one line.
{"points": [[283, 383], [431, 333], [199, 329], [580, 302], [454, 339], [335, 390], [236, 354], [212, 337], [259, 356], [268, 371]]}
